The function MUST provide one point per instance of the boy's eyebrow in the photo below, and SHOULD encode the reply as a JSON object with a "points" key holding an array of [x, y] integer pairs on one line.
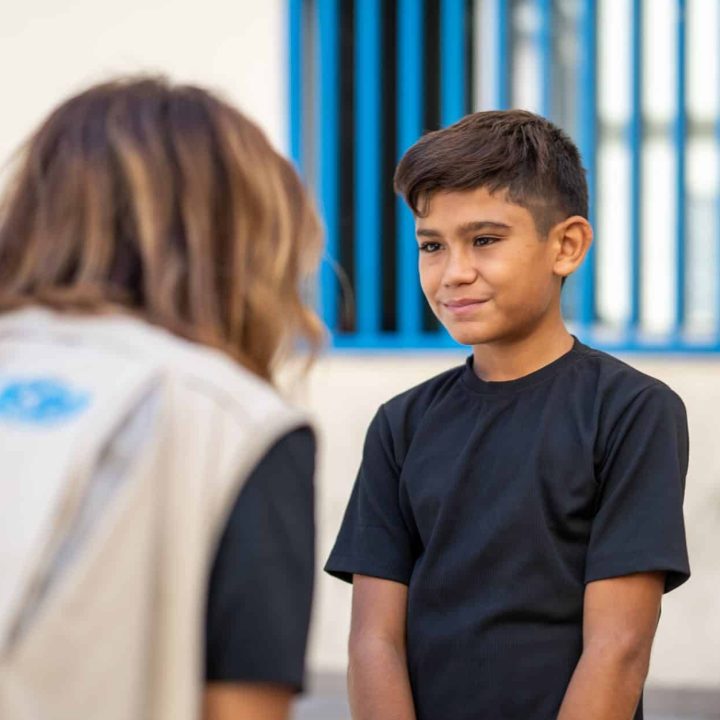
{"points": [[474, 225]]}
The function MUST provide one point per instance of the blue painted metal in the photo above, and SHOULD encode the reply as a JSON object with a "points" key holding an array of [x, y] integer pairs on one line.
{"points": [[717, 239], [587, 142], [635, 142], [680, 169], [409, 117], [367, 166], [452, 61], [544, 47], [396, 341], [502, 81], [326, 148], [295, 42], [632, 342]]}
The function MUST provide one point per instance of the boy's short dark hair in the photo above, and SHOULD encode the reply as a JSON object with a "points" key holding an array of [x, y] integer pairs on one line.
{"points": [[534, 161]]}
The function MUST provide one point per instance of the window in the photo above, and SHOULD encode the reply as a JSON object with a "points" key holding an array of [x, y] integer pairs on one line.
{"points": [[634, 82]]}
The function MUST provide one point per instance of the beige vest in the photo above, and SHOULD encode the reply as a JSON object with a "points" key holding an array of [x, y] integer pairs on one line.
{"points": [[122, 450]]}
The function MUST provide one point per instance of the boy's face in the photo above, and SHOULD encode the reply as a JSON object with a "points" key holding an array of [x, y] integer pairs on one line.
{"points": [[484, 269]]}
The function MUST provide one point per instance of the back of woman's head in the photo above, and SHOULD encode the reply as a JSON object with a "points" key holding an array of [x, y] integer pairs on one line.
{"points": [[165, 201]]}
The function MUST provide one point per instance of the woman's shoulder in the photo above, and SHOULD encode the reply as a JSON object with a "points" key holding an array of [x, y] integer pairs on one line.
{"points": [[200, 373]]}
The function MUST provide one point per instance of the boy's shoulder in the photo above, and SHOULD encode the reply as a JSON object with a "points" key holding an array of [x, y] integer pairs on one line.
{"points": [[603, 379], [611, 377]]}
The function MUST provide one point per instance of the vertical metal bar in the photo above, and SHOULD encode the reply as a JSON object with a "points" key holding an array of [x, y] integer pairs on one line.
{"points": [[326, 148], [295, 42], [716, 269], [635, 141], [367, 165], [502, 82], [452, 61], [680, 173], [587, 140], [409, 114], [544, 40]]}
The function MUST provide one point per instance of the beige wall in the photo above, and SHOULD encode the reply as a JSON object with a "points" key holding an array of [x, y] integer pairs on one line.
{"points": [[49, 49], [343, 393]]}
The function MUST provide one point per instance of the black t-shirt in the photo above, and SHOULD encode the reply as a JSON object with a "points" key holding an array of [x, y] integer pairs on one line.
{"points": [[496, 502], [260, 591]]}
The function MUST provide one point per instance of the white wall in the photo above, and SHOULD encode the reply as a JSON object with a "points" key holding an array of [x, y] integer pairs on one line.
{"points": [[343, 392], [49, 49]]}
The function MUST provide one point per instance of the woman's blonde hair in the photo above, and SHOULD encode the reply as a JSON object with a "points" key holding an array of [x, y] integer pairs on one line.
{"points": [[167, 202]]}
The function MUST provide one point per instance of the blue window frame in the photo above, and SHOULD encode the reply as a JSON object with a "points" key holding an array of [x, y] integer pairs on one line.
{"points": [[368, 77]]}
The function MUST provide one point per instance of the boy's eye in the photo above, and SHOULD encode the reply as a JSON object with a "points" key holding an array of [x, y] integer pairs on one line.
{"points": [[484, 240], [429, 247]]}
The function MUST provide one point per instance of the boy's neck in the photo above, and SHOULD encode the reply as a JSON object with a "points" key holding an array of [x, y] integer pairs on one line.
{"points": [[510, 360]]}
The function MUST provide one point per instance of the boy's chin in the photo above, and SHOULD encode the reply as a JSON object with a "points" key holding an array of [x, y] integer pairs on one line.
{"points": [[473, 334]]}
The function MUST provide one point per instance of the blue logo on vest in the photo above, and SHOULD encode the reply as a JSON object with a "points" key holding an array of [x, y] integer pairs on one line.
{"points": [[40, 401]]}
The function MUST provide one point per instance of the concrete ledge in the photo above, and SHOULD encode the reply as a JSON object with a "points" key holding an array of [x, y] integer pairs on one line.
{"points": [[688, 702]]}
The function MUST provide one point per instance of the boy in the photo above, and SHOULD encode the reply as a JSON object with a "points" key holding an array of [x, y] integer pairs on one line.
{"points": [[515, 521]]}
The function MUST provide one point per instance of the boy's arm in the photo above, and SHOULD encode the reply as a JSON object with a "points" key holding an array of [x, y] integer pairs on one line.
{"points": [[378, 681], [247, 701], [620, 616]]}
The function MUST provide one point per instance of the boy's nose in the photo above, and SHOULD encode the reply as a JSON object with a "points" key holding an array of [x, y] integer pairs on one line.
{"points": [[459, 270]]}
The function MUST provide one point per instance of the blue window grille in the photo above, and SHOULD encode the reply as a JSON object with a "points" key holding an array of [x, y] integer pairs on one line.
{"points": [[636, 83]]}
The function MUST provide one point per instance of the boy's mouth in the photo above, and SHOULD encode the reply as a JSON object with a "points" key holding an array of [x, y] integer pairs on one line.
{"points": [[463, 306]]}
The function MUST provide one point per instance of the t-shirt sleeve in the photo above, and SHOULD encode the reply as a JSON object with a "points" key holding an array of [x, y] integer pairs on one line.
{"points": [[374, 538], [260, 590], [638, 526]]}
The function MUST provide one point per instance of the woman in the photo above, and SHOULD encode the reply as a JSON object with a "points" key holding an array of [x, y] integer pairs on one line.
{"points": [[157, 502]]}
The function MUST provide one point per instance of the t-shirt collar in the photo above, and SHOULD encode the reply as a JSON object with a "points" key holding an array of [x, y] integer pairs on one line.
{"points": [[510, 386]]}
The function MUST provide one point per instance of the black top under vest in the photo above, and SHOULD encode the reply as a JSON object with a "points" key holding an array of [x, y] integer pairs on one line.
{"points": [[261, 584]]}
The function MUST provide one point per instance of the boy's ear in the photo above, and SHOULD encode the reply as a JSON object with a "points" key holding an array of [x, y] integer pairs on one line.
{"points": [[572, 237]]}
